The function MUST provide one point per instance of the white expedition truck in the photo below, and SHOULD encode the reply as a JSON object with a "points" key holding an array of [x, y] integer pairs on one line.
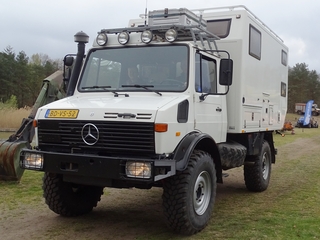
{"points": [[171, 102]]}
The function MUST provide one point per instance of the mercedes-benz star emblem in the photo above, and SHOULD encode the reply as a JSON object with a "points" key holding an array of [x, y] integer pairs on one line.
{"points": [[90, 134]]}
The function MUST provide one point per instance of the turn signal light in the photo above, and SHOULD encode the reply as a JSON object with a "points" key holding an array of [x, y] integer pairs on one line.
{"points": [[161, 127], [35, 123]]}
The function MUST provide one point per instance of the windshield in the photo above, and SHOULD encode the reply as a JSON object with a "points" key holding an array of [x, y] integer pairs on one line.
{"points": [[146, 68]]}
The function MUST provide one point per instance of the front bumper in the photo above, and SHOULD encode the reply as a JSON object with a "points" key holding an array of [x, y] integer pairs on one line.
{"points": [[90, 168]]}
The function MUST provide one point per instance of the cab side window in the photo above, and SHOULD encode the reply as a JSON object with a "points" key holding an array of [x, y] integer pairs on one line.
{"points": [[205, 74]]}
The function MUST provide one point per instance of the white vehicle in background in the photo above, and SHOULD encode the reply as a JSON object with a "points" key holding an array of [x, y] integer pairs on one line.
{"points": [[300, 108], [211, 91]]}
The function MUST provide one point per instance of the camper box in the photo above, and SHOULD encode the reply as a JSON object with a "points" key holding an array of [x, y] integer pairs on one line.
{"points": [[257, 100]]}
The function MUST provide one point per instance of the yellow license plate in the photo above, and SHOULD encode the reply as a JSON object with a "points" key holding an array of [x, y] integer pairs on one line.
{"points": [[59, 113]]}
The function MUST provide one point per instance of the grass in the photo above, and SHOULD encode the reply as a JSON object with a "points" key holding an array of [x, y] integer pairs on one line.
{"points": [[12, 118], [298, 132], [17, 199], [303, 133], [5, 135], [288, 209], [29, 189]]}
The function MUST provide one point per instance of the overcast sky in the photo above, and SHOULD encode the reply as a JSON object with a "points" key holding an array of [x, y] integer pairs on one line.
{"points": [[48, 27]]}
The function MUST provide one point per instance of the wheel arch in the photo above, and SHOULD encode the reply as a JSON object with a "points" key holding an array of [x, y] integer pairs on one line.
{"points": [[201, 141], [254, 141], [268, 136]]}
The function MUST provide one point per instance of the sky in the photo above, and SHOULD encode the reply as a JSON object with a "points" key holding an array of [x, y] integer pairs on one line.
{"points": [[48, 27]]}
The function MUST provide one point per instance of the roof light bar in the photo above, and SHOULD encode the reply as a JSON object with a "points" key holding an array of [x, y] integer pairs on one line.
{"points": [[146, 36], [102, 39], [123, 38], [171, 35]]}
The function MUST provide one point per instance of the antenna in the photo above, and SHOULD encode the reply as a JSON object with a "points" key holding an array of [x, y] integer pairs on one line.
{"points": [[145, 14]]}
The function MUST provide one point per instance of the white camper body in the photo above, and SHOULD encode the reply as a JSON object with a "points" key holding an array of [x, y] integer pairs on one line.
{"points": [[258, 99]]}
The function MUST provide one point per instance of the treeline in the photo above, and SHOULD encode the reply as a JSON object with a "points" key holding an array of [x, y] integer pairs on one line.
{"points": [[21, 77], [303, 85]]}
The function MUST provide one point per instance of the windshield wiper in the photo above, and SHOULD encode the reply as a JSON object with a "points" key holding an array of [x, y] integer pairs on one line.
{"points": [[95, 87], [104, 88], [146, 87]]}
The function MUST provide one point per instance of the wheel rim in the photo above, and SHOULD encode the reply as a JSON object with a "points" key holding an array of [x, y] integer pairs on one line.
{"points": [[202, 193], [265, 166]]}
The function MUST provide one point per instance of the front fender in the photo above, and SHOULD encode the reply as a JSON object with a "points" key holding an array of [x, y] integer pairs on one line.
{"points": [[201, 141]]}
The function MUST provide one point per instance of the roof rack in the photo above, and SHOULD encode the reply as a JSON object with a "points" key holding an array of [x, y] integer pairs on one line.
{"points": [[230, 8], [185, 33]]}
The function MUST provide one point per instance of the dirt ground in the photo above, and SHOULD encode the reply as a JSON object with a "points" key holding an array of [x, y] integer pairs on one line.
{"points": [[121, 213]]}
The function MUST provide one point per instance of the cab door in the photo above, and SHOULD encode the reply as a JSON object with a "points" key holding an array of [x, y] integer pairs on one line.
{"points": [[210, 108]]}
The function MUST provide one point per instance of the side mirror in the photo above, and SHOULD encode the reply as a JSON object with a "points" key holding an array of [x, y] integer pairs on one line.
{"points": [[68, 61], [67, 69], [226, 72]]}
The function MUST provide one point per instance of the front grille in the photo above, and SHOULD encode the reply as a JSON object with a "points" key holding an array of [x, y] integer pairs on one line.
{"points": [[114, 137], [137, 116]]}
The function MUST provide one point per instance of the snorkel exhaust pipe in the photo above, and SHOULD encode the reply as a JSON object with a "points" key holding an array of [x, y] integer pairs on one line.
{"points": [[81, 38]]}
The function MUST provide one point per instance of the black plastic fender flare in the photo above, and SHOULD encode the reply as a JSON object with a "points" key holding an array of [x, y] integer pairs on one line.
{"points": [[201, 141]]}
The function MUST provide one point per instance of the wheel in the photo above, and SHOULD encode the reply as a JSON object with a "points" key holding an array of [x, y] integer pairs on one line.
{"points": [[68, 199], [188, 197], [257, 176]]}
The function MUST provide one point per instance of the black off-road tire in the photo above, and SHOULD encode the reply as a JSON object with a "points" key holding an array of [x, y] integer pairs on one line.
{"points": [[257, 175], [232, 155], [68, 199], [188, 197]]}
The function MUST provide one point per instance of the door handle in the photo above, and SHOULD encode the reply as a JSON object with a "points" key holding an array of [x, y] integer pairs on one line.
{"points": [[218, 109]]}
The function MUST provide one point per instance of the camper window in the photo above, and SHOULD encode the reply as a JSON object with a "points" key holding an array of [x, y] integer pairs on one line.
{"points": [[284, 58], [255, 42], [221, 27]]}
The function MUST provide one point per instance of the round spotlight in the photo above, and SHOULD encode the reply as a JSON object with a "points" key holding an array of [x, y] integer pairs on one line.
{"points": [[146, 36], [123, 38], [171, 35], [102, 39]]}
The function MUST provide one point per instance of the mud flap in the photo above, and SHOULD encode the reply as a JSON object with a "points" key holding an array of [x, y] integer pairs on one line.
{"points": [[9, 160]]}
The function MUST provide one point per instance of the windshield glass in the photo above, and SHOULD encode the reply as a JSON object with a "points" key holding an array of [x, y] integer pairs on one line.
{"points": [[157, 68]]}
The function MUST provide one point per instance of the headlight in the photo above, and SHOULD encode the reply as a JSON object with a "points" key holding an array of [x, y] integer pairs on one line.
{"points": [[171, 35], [123, 38], [138, 169], [146, 36], [102, 39], [32, 161]]}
